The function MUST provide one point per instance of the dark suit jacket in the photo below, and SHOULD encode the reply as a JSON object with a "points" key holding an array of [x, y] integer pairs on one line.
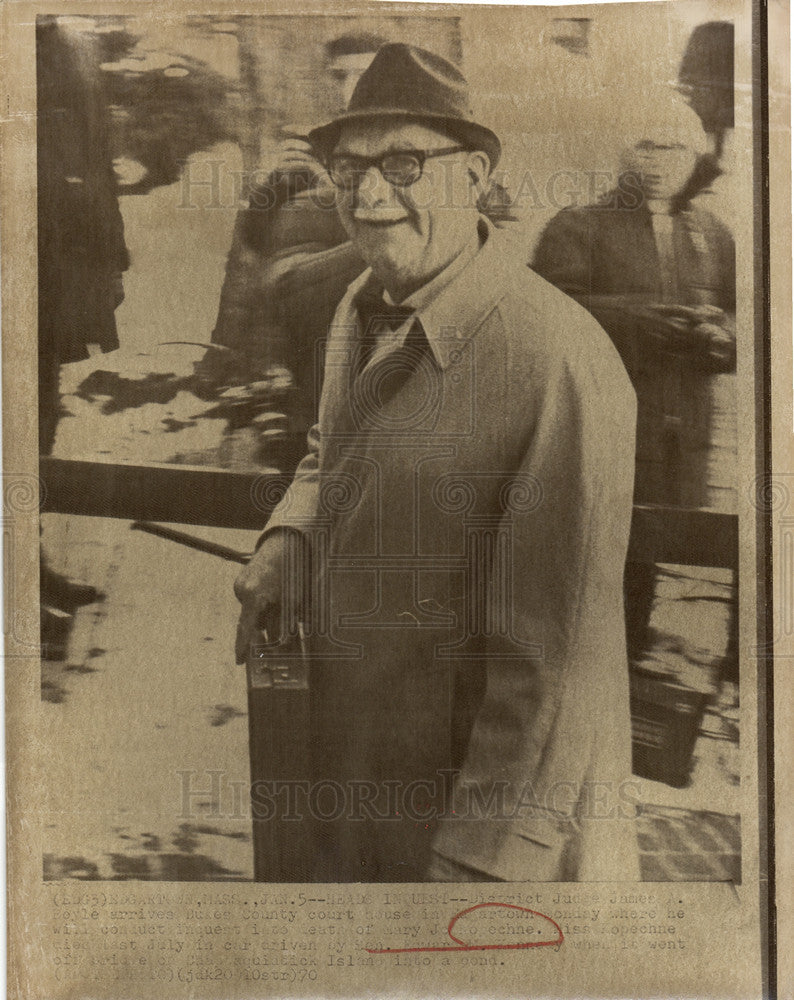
{"points": [[605, 256]]}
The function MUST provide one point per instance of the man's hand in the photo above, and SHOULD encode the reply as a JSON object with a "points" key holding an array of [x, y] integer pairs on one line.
{"points": [[719, 339], [291, 154], [708, 331], [258, 588]]}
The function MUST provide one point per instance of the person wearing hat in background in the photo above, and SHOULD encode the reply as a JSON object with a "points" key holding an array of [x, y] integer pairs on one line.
{"points": [[290, 260], [657, 270], [465, 505]]}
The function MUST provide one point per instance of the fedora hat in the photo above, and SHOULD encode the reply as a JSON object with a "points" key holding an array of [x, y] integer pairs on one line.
{"points": [[406, 81]]}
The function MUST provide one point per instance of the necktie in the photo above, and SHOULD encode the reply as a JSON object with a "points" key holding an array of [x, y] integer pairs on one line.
{"points": [[376, 317]]}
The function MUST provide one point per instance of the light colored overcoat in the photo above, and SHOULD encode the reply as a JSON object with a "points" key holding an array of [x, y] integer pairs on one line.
{"points": [[468, 496]]}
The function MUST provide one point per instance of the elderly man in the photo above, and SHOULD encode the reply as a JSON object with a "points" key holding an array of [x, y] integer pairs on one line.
{"points": [[291, 260], [465, 507]]}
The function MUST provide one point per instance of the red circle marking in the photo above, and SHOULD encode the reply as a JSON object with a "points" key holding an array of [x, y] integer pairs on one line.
{"points": [[462, 946]]}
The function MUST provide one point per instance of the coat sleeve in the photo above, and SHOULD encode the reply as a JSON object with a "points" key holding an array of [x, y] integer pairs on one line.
{"points": [[300, 507], [297, 508], [555, 715]]}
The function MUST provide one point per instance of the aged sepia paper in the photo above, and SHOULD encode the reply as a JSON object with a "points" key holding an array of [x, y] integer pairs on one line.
{"points": [[510, 288]]}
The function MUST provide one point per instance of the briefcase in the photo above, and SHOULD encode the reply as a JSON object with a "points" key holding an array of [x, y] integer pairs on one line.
{"points": [[278, 720]]}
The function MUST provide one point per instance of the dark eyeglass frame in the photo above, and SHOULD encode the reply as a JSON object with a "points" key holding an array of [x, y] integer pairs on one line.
{"points": [[360, 165]]}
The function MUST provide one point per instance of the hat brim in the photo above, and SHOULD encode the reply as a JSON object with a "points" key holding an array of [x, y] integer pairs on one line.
{"points": [[469, 133]]}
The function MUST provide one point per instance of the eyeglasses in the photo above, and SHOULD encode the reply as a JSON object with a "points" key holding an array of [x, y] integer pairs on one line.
{"points": [[400, 168]]}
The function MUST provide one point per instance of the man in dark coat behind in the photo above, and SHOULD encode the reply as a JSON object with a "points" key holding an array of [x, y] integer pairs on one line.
{"points": [[657, 270], [290, 260], [81, 253]]}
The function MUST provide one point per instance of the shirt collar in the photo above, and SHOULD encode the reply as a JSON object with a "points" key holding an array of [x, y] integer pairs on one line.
{"points": [[452, 305]]}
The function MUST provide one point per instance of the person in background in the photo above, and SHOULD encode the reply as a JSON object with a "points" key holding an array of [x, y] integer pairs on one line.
{"points": [[81, 253], [346, 59], [462, 393], [658, 272], [286, 268], [705, 79]]}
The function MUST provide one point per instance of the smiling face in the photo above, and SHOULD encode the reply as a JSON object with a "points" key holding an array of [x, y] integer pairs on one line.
{"points": [[409, 234]]}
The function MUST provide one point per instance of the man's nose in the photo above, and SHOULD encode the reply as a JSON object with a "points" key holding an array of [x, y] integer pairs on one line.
{"points": [[347, 87], [374, 190]]}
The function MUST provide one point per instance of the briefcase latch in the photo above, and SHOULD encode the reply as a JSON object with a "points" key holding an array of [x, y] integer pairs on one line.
{"points": [[283, 667]]}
